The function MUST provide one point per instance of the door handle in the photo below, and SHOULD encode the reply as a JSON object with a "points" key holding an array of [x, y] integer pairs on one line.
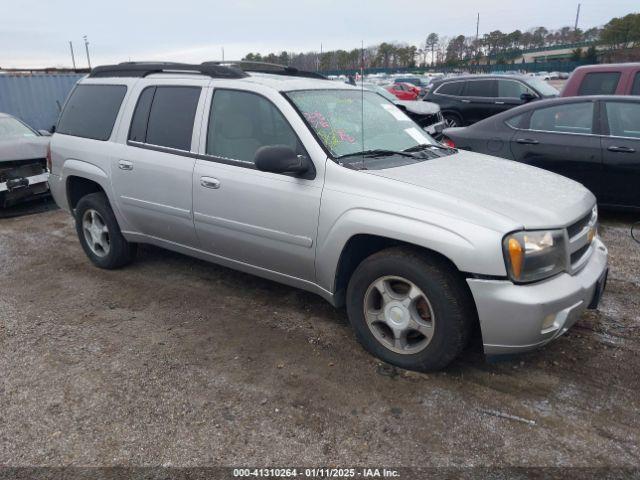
{"points": [[613, 148], [499, 102], [527, 141], [464, 100], [125, 165], [210, 182]]}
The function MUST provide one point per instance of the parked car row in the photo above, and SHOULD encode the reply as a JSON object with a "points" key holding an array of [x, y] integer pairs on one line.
{"points": [[594, 140]]}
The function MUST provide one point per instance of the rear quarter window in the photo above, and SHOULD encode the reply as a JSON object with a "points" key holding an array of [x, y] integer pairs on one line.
{"points": [[599, 83], [91, 111], [451, 88]]}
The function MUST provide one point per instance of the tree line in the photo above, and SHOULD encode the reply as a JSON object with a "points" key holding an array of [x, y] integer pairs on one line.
{"points": [[497, 47]]}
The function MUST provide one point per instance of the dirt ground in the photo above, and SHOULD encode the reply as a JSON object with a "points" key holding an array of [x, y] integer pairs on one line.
{"points": [[176, 362]]}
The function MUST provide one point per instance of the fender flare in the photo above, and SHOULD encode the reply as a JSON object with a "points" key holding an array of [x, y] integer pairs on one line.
{"points": [[453, 242]]}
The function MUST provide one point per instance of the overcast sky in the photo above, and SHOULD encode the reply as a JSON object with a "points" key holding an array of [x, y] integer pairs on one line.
{"points": [[35, 33]]}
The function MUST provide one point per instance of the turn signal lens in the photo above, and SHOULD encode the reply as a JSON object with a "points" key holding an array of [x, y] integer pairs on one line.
{"points": [[516, 257]]}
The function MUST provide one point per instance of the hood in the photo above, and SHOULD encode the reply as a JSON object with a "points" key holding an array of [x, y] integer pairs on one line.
{"points": [[26, 148], [419, 107], [528, 196]]}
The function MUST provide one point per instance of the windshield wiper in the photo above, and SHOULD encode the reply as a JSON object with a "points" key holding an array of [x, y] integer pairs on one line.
{"points": [[377, 153], [424, 146]]}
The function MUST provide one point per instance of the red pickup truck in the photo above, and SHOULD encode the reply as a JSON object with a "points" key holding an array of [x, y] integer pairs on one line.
{"points": [[605, 79]]}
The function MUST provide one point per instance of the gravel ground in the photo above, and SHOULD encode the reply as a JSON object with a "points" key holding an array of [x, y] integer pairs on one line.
{"points": [[176, 362]]}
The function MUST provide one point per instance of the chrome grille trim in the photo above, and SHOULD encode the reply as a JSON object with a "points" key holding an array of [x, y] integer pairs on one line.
{"points": [[578, 238]]}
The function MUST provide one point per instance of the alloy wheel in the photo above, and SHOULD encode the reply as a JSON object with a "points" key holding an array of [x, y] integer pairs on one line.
{"points": [[96, 233], [399, 315]]}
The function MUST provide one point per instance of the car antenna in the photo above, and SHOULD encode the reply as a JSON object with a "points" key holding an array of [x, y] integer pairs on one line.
{"points": [[362, 96]]}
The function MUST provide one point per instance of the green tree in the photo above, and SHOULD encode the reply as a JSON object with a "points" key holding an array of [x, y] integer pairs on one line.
{"points": [[622, 32], [432, 42], [591, 55], [576, 55]]}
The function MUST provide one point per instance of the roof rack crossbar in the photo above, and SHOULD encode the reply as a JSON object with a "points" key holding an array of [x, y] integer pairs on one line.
{"points": [[264, 67]]}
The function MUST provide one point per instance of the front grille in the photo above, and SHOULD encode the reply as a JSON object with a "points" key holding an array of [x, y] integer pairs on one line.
{"points": [[430, 119], [577, 227], [580, 235], [22, 169], [577, 255]]}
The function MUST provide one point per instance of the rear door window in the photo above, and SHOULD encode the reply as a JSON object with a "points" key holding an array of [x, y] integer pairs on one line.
{"points": [[171, 117], [91, 111], [452, 88], [566, 118], [599, 83], [635, 88], [623, 119], [480, 88]]}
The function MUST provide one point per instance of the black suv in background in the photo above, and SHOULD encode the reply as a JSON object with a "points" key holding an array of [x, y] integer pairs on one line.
{"points": [[469, 99]]}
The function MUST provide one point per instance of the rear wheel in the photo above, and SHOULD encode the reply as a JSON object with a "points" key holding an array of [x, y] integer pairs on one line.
{"points": [[99, 233], [410, 309]]}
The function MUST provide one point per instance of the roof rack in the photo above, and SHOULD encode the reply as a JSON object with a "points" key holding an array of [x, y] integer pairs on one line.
{"points": [[264, 67], [215, 69], [142, 69]]}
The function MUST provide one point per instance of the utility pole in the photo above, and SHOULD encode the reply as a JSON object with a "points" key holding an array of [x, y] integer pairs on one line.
{"points": [[86, 47], [478, 27], [73, 58], [575, 28]]}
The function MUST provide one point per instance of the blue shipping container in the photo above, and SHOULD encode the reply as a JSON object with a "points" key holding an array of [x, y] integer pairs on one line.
{"points": [[35, 99]]}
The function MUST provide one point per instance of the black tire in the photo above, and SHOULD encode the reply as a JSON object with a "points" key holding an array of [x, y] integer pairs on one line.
{"points": [[121, 252], [449, 296], [452, 120]]}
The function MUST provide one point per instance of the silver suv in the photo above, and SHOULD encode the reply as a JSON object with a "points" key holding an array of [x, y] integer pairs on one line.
{"points": [[334, 190]]}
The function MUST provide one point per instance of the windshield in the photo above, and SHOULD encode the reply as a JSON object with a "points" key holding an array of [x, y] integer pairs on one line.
{"points": [[543, 87], [12, 128], [346, 126]]}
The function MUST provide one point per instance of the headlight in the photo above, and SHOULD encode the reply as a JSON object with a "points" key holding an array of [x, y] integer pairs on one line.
{"points": [[534, 255]]}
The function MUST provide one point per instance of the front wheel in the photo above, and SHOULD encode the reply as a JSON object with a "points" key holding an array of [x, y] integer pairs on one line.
{"points": [[452, 120], [99, 233], [410, 309]]}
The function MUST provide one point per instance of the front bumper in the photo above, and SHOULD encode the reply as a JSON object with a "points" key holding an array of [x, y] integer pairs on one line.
{"points": [[512, 316], [17, 189]]}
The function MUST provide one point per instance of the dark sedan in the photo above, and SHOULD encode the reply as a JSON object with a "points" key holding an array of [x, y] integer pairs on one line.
{"points": [[469, 99], [593, 140]]}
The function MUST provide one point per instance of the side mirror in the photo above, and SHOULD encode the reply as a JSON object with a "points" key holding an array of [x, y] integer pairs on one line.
{"points": [[527, 97], [44, 133], [280, 159], [52, 130]]}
